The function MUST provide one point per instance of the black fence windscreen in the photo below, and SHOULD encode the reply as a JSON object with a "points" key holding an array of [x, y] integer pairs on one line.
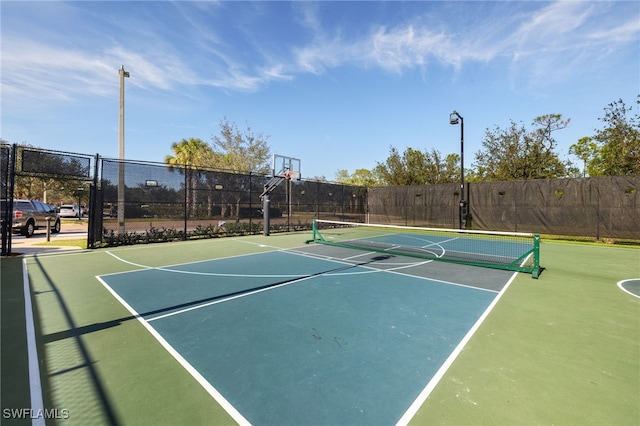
{"points": [[5, 156], [433, 206], [50, 163], [163, 202], [603, 207]]}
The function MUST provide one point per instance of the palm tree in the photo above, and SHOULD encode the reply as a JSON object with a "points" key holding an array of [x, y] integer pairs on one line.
{"points": [[189, 155]]}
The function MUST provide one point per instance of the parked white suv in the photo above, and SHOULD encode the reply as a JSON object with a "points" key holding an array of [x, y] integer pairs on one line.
{"points": [[69, 210]]}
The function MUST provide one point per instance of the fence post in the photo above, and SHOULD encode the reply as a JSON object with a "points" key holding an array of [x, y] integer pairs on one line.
{"points": [[95, 207], [187, 188], [597, 209], [11, 195], [7, 177], [250, 203]]}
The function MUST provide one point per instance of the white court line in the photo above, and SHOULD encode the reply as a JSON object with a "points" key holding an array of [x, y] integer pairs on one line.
{"points": [[424, 248], [296, 278], [220, 399], [289, 251], [304, 278], [214, 274], [621, 286], [369, 270], [422, 397], [226, 299], [35, 386], [175, 264], [355, 256], [393, 271], [431, 243], [300, 279], [298, 251]]}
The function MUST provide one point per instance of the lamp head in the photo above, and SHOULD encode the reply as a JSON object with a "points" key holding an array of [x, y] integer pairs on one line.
{"points": [[453, 117]]}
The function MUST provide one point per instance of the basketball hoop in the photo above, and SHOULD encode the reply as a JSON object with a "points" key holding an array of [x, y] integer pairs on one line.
{"points": [[289, 174]]}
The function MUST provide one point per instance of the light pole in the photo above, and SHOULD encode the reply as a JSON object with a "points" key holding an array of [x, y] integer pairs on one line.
{"points": [[453, 119], [123, 74]]}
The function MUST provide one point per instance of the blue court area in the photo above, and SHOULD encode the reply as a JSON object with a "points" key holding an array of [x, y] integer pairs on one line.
{"points": [[325, 336]]}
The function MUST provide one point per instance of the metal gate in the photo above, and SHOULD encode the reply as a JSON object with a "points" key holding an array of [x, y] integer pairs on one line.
{"points": [[45, 167]]}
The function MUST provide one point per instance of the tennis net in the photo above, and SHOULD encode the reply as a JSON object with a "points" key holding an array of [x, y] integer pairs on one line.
{"points": [[514, 251]]}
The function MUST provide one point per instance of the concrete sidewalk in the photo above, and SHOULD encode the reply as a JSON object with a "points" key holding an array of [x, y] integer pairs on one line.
{"points": [[36, 245]]}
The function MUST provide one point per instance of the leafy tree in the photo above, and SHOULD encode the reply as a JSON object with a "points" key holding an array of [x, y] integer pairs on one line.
{"points": [[241, 152], [516, 153], [321, 178], [188, 156], [192, 153], [232, 151], [447, 170], [361, 177], [416, 167], [619, 141], [587, 151]]}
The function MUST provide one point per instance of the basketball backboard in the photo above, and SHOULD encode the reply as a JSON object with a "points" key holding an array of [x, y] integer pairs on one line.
{"points": [[283, 164]]}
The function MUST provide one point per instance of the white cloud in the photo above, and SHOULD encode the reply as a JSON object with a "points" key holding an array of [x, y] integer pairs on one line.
{"points": [[567, 39], [395, 49], [31, 69], [545, 45], [557, 39], [622, 33]]}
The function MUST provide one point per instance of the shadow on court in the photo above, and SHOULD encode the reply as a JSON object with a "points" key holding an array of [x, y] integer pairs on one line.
{"points": [[79, 331]]}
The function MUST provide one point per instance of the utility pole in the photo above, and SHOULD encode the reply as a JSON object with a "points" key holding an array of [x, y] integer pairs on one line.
{"points": [[121, 200]]}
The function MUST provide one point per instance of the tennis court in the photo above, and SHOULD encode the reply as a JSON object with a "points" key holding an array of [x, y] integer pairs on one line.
{"points": [[309, 335], [270, 330]]}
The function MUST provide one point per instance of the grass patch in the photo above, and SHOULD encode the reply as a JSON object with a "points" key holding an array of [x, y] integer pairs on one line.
{"points": [[80, 242], [74, 222], [592, 240]]}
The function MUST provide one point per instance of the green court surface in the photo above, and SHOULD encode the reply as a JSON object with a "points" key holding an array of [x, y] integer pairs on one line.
{"points": [[562, 349]]}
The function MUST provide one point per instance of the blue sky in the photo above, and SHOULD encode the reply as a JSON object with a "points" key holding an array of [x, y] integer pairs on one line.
{"points": [[332, 83]]}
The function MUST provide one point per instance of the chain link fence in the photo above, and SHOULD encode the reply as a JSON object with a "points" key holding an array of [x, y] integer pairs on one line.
{"points": [[602, 207], [139, 202], [164, 202]]}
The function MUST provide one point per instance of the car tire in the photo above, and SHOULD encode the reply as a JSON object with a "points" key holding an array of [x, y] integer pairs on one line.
{"points": [[29, 229], [56, 227]]}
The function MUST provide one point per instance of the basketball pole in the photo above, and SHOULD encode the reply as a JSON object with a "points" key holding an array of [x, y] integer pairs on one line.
{"points": [[265, 214]]}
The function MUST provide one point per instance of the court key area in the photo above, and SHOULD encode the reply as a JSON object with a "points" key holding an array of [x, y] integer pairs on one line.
{"points": [[311, 335]]}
